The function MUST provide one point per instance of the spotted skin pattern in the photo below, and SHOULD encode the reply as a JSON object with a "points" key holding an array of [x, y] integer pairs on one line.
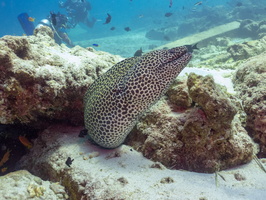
{"points": [[116, 100]]}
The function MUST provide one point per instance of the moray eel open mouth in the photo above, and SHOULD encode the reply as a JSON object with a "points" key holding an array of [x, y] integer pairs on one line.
{"points": [[116, 100]]}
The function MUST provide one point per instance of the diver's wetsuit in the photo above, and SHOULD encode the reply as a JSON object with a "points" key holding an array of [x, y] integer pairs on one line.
{"points": [[77, 11], [59, 28]]}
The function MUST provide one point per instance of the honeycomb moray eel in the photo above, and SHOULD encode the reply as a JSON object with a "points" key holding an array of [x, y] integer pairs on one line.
{"points": [[116, 100]]}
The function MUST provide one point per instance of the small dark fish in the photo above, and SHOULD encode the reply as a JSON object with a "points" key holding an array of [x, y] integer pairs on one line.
{"points": [[198, 3], [53, 18], [183, 7], [108, 19], [167, 38], [170, 3], [168, 14], [238, 4], [83, 133], [95, 45], [138, 52], [192, 47], [112, 28], [127, 29], [69, 161]]}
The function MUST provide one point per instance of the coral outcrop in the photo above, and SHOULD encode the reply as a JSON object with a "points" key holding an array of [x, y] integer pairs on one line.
{"points": [[250, 82], [41, 80], [199, 131], [23, 185], [247, 49], [253, 29]]}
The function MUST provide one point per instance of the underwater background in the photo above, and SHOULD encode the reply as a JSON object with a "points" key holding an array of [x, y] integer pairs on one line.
{"points": [[204, 139], [141, 17]]}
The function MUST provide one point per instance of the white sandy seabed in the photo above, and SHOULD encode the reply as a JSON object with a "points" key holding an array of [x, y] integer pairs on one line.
{"points": [[141, 181], [126, 174]]}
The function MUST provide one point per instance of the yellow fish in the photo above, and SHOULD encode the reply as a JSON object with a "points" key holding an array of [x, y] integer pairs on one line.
{"points": [[3, 170], [5, 158], [31, 19], [25, 142]]}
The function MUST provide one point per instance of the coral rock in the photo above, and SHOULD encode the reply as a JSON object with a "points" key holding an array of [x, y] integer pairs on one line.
{"points": [[247, 49], [206, 137], [23, 185], [250, 82], [41, 80]]}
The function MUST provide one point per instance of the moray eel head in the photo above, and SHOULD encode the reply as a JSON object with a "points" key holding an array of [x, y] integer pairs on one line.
{"points": [[116, 100], [178, 56]]}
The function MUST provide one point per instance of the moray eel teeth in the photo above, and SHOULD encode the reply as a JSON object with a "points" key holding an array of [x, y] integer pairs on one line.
{"points": [[116, 100]]}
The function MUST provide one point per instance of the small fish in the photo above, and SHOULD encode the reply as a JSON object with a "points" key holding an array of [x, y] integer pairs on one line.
{"points": [[31, 19], [83, 133], [192, 47], [127, 29], [69, 161], [112, 28], [5, 158], [140, 16], [198, 3], [167, 38], [238, 4], [25, 142], [108, 19], [168, 14], [95, 45], [3, 170], [138, 52], [170, 3]]}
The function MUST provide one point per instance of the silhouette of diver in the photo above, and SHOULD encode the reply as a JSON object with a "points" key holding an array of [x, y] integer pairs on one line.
{"points": [[77, 12], [58, 23]]}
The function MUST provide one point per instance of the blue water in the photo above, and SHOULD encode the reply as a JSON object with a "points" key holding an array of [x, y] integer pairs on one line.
{"points": [[124, 12], [139, 15]]}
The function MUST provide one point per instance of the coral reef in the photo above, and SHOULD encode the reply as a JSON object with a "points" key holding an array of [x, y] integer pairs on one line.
{"points": [[247, 49], [250, 82], [23, 185], [253, 29], [41, 80], [202, 133]]}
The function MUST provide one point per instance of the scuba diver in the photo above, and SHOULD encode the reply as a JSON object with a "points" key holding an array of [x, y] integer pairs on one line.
{"points": [[77, 11], [58, 23]]}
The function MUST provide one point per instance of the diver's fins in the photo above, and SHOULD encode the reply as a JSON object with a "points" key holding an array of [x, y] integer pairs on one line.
{"points": [[26, 24]]}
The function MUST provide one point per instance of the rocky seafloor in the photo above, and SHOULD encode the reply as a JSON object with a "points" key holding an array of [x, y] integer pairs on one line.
{"points": [[198, 126]]}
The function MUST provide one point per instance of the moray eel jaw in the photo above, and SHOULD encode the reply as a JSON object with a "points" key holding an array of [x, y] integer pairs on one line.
{"points": [[116, 100]]}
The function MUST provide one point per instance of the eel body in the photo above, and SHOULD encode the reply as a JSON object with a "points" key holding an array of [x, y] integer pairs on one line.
{"points": [[116, 100]]}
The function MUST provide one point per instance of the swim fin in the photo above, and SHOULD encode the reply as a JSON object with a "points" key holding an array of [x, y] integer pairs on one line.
{"points": [[26, 24]]}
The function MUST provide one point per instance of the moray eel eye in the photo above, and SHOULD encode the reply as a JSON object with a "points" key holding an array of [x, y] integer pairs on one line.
{"points": [[171, 51]]}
